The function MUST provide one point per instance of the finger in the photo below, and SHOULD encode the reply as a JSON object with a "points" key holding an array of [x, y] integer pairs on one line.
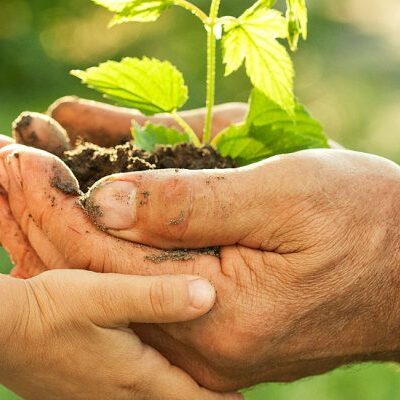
{"points": [[173, 383], [95, 122], [4, 141], [108, 125], [40, 131], [185, 208], [122, 299], [26, 261], [21, 219], [49, 203]]}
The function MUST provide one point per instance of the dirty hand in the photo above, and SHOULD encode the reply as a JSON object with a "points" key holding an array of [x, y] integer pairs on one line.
{"points": [[307, 279], [309, 272], [64, 335], [40, 173]]}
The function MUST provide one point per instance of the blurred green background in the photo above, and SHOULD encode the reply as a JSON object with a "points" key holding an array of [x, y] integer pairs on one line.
{"points": [[348, 74]]}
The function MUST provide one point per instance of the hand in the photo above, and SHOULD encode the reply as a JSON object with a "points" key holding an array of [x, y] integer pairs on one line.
{"points": [[30, 247], [308, 277], [107, 125], [64, 336], [257, 331], [99, 123]]}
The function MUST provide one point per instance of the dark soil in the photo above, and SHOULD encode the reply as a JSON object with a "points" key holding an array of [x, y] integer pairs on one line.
{"points": [[90, 162]]}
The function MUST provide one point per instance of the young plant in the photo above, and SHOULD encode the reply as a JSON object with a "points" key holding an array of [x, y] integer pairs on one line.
{"points": [[276, 122]]}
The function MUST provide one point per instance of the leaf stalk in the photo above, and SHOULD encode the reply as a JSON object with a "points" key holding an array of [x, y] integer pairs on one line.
{"points": [[187, 128], [193, 9], [211, 62]]}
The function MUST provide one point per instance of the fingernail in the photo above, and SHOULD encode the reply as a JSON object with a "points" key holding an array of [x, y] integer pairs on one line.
{"points": [[201, 293], [113, 205]]}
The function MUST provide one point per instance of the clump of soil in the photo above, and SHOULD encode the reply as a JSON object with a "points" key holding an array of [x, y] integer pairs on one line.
{"points": [[90, 162]]}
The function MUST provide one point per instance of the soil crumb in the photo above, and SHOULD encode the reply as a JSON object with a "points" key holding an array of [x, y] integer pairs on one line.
{"points": [[67, 184], [182, 255], [90, 162]]}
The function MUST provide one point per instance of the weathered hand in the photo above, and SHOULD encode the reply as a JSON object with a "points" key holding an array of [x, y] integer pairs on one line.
{"points": [[64, 335], [308, 277], [30, 247]]}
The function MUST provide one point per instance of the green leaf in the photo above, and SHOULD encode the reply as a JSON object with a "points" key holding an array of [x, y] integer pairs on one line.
{"points": [[150, 136], [252, 38], [149, 85], [297, 20], [237, 143], [135, 10], [270, 131]]}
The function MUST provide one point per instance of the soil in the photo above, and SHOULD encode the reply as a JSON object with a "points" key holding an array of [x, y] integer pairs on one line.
{"points": [[182, 255], [90, 162]]}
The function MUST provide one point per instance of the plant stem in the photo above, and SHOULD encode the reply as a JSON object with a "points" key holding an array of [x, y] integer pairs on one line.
{"points": [[193, 9], [211, 61], [186, 127]]}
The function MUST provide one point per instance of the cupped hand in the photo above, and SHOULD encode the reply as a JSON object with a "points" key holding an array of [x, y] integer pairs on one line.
{"points": [[28, 189], [307, 278], [65, 336]]}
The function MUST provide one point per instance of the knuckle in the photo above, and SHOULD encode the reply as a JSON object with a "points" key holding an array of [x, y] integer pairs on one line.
{"points": [[105, 302], [162, 297], [179, 194]]}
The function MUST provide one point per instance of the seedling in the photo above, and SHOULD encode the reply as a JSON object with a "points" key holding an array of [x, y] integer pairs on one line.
{"points": [[276, 122]]}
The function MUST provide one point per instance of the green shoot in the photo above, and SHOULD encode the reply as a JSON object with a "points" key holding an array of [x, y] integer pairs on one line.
{"points": [[253, 39]]}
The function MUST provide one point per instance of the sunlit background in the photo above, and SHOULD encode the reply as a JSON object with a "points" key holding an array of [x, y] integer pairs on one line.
{"points": [[348, 74]]}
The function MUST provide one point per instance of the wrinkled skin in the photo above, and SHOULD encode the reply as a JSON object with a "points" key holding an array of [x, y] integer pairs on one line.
{"points": [[309, 271]]}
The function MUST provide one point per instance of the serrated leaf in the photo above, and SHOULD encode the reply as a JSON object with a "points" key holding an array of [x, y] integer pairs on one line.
{"points": [[149, 85], [258, 6], [252, 38], [270, 131], [297, 20], [135, 10], [151, 136], [263, 111]]}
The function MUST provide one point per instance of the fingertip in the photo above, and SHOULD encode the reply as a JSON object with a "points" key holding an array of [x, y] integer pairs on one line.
{"points": [[116, 201], [201, 294], [177, 298], [40, 131]]}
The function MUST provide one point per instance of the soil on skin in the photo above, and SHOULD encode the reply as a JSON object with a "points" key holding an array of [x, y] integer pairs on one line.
{"points": [[90, 162], [182, 254]]}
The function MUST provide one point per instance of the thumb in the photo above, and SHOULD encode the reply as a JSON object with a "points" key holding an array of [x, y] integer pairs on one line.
{"points": [[182, 208], [120, 300]]}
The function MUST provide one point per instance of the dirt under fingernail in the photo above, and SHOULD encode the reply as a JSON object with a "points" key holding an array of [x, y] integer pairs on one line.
{"points": [[63, 181]]}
